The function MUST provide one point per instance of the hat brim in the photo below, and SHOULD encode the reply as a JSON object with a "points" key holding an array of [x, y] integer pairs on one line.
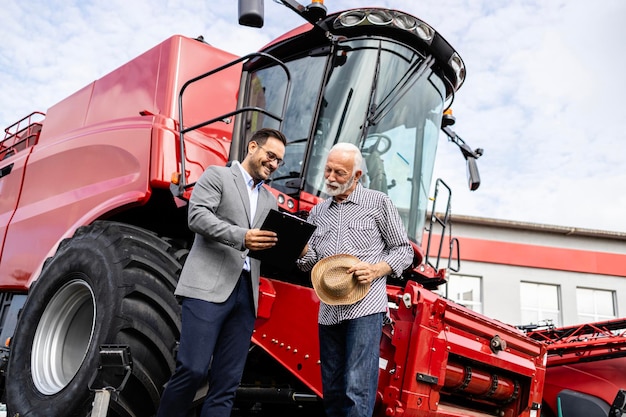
{"points": [[337, 265]]}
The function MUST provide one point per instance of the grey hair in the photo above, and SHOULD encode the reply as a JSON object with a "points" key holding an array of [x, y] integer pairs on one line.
{"points": [[349, 147]]}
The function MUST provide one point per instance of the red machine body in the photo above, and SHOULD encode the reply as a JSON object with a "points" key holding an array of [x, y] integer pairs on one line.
{"points": [[437, 358], [586, 369], [106, 146], [446, 360]]}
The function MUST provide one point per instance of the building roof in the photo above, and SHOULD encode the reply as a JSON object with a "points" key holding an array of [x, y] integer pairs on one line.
{"points": [[562, 230]]}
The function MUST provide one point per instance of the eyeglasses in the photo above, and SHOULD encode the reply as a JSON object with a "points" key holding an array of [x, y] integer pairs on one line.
{"points": [[273, 157]]}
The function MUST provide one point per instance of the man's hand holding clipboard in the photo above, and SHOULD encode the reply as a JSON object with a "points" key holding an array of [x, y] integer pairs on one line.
{"points": [[293, 235]]}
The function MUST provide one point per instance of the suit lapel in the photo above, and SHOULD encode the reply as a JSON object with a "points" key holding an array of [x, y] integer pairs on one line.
{"points": [[240, 185], [262, 206]]}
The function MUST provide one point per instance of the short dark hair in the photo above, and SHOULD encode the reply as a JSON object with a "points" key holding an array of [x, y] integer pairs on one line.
{"points": [[261, 136]]}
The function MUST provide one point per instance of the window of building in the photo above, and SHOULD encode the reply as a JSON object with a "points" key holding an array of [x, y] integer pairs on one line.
{"points": [[464, 290], [595, 305], [540, 303]]}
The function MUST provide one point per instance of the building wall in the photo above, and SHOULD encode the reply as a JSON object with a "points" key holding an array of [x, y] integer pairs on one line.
{"points": [[501, 289], [505, 254]]}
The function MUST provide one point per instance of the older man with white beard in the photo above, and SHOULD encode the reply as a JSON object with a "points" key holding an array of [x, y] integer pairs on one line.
{"points": [[365, 224]]}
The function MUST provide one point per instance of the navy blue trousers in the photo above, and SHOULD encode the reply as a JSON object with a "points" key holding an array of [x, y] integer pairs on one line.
{"points": [[214, 343], [350, 353]]}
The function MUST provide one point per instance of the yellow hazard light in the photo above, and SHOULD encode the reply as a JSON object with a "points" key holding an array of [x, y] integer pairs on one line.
{"points": [[176, 178], [315, 11], [7, 342], [447, 118]]}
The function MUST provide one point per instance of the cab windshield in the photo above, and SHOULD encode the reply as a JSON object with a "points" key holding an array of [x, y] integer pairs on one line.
{"points": [[375, 93]]}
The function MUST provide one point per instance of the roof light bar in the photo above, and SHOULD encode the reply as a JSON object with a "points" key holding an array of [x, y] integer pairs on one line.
{"points": [[379, 17], [443, 52]]}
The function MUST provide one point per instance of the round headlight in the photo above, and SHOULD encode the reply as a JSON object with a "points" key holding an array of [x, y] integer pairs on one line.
{"points": [[351, 18], [405, 22], [457, 65], [379, 17], [425, 32]]}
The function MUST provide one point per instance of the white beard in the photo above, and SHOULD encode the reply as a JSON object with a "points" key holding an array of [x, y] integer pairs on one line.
{"points": [[339, 188]]}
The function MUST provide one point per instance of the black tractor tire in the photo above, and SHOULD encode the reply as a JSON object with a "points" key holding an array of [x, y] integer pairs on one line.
{"points": [[110, 284]]}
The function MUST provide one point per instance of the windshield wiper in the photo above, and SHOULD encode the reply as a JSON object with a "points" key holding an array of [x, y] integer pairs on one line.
{"points": [[372, 106], [403, 86]]}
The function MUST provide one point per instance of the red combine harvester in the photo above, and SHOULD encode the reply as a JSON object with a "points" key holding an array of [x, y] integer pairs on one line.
{"points": [[93, 222]]}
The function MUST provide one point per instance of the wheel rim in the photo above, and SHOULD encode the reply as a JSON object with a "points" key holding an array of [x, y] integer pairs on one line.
{"points": [[63, 336]]}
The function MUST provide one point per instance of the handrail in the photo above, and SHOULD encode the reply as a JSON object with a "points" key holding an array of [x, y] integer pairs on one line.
{"points": [[179, 188], [8, 133], [443, 224], [20, 135]]}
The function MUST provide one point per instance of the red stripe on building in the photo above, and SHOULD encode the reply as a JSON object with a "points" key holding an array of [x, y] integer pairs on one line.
{"points": [[545, 257]]}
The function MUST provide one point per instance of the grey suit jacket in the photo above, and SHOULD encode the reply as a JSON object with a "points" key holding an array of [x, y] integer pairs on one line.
{"points": [[219, 215]]}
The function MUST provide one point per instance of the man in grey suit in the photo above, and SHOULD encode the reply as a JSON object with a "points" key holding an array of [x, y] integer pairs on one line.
{"points": [[219, 283]]}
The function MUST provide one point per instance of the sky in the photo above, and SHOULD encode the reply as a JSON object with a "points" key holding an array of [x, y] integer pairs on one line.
{"points": [[544, 94]]}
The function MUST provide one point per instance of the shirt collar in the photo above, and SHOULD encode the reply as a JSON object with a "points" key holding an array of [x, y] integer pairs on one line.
{"points": [[353, 197], [248, 178]]}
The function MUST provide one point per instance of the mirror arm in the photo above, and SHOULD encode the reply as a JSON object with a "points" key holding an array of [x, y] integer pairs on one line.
{"points": [[470, 156], [464, 147]]}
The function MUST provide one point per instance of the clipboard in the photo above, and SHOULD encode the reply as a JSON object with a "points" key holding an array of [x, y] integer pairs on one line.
{"points": [[293, 234]]}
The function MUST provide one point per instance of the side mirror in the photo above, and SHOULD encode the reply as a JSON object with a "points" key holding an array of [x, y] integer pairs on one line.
{"points": [[473, 176], [251, 13]]}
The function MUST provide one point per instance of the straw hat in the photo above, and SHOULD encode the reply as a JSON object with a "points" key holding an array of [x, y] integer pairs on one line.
{"points": [[333, 285]]}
